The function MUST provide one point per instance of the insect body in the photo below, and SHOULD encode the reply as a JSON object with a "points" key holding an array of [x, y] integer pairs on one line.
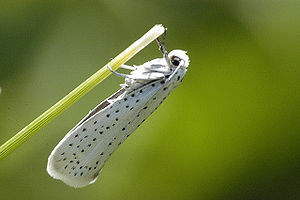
{"points": [[81, 154]]}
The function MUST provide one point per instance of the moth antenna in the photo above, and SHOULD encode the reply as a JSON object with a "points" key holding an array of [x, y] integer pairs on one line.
{"points": [[117, 73], [174, 73]]}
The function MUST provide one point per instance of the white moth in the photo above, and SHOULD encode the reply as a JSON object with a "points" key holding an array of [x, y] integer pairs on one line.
{"points": [[81, 154]]}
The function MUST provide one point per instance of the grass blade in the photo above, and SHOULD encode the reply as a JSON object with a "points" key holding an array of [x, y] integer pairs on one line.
{"points": [[41, 121]]}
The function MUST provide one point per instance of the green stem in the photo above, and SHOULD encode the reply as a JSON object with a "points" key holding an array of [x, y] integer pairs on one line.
{"points": [[78, 92]]}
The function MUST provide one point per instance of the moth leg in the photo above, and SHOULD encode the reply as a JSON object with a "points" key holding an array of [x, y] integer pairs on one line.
{"points": [[162, 48], [117, 73], [128, 76], [128, 67], [162, 45]]}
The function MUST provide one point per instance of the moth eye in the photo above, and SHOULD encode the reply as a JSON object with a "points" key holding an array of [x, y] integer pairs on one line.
{"points": [[175, 60]]}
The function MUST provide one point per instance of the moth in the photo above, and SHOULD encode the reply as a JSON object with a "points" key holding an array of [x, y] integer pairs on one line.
{"points": [[81, 154]]}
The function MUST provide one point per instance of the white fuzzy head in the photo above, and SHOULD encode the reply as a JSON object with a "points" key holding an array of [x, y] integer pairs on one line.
{"points": [[179, 57]]}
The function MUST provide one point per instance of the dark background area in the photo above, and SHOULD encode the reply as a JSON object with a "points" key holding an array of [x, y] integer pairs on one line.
{"points": [[230, 131]]}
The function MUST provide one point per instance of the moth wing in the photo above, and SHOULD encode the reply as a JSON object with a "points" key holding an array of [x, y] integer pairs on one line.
{"points": [[81, 154], [69, 161], [165, 87]]}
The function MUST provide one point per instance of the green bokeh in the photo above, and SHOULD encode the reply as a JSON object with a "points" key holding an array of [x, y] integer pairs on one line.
{"points": [[230, 131]]}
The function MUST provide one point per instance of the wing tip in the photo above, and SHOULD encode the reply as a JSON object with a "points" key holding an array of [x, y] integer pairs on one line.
{"points": [[66, 178]]}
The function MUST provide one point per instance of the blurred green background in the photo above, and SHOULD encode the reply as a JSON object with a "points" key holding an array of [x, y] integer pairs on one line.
{"points": [[230, 131]]}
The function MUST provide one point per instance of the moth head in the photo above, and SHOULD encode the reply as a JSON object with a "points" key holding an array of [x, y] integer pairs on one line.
{"points": [[179, 58]]}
